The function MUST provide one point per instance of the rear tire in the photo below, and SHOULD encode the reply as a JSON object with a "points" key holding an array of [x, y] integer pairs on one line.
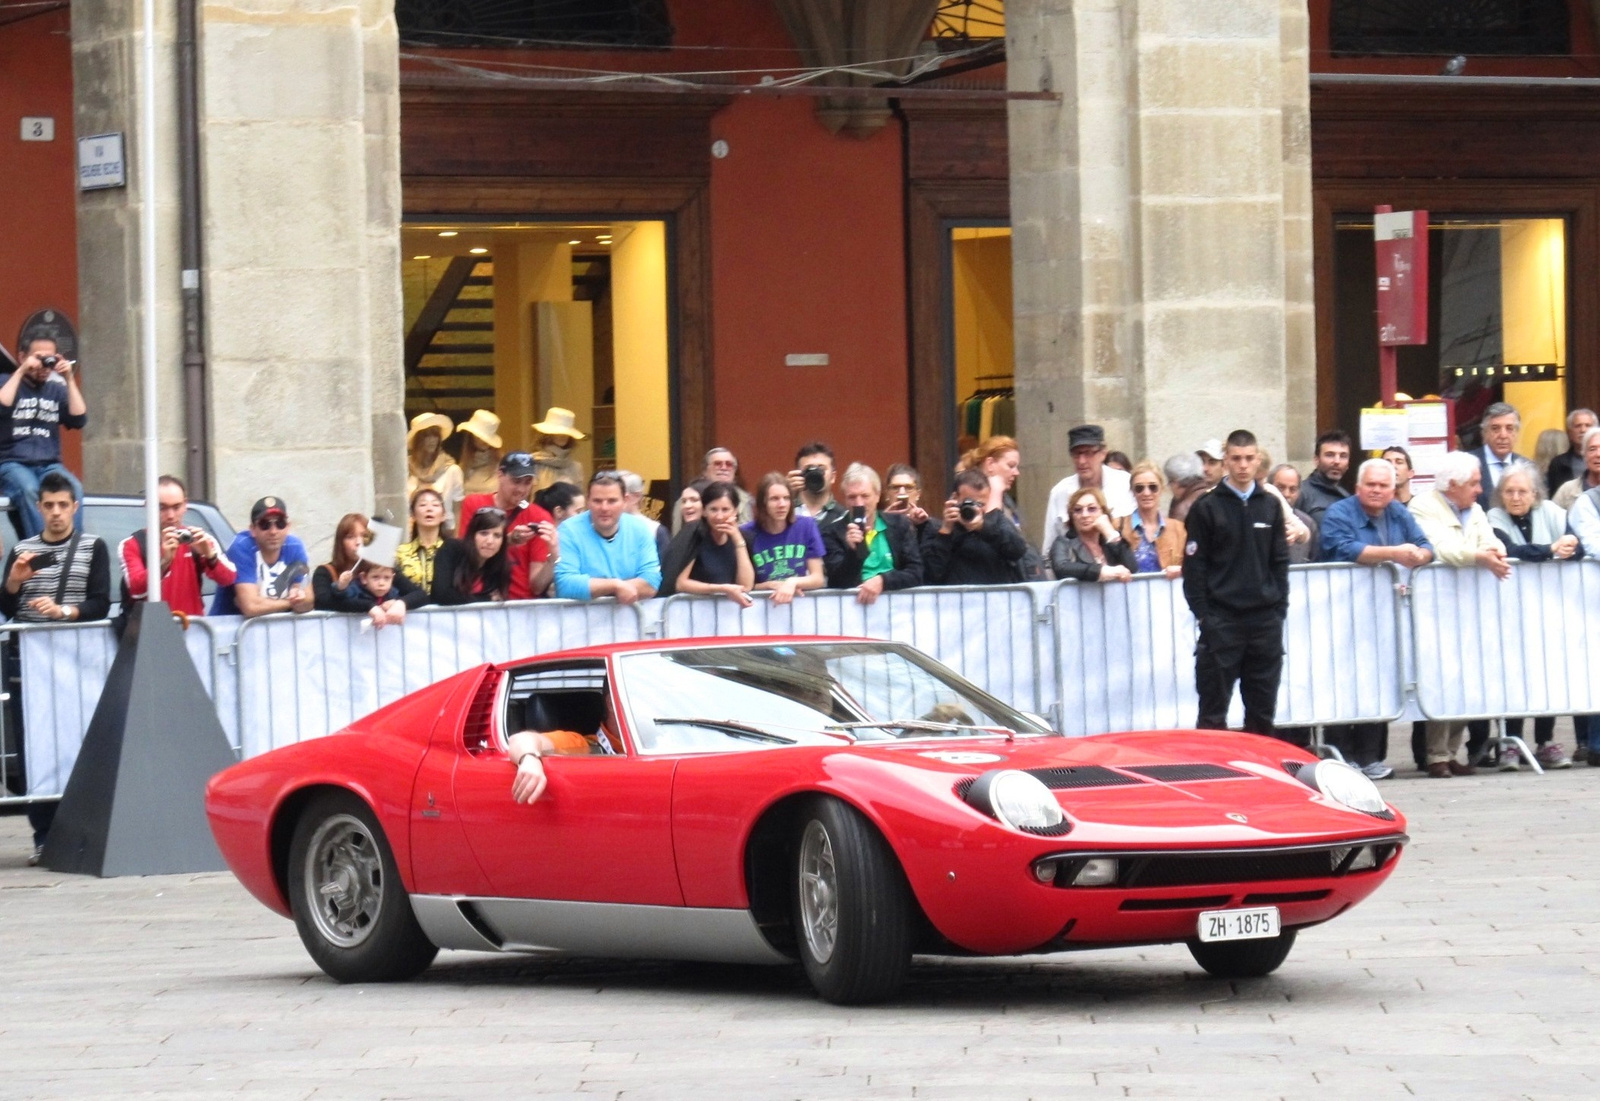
{"points": [[353, 913], [852, 910], [1243, 959]]}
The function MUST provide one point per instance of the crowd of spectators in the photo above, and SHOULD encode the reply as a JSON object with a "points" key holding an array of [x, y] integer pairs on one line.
{"points": [[534, 526]]}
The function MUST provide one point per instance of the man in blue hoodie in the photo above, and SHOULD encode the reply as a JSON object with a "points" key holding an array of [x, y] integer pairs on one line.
{"points": [[37, 400]]}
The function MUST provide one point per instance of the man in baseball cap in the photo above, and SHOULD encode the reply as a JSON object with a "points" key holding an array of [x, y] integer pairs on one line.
{"points": [[272, 567], [530, 530], [1210, 454], [1088, 445]]}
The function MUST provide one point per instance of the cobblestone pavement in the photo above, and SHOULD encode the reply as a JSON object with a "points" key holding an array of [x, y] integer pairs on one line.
{"points": [[1472, 974]]}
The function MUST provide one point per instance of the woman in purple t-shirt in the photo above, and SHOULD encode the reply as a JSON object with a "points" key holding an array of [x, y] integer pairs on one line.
{"points": [[786, 549]]}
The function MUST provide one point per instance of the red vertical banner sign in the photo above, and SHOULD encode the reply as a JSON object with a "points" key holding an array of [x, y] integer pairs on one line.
{"points": [[1401, 238]]}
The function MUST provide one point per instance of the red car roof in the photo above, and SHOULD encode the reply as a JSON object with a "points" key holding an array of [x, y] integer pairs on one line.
{"points": [[607, 649]]}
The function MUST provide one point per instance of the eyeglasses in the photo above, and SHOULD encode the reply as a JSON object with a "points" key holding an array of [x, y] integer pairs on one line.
{"points": [[1147, 487], [1085, 510], [492, 512], [268, 522], [605, 478], [516, 458], [903, 485]]}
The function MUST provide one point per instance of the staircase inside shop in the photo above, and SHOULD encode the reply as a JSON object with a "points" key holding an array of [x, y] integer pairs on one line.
{"points": [[450, 348]]}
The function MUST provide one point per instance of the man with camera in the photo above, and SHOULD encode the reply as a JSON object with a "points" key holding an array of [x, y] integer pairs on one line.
{"points": [[186, 554], [57, 576], [977, 544], [811, 482], [37, 400], [867, 550]]}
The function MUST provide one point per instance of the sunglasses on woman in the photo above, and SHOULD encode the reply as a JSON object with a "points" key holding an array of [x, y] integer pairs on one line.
{"points": [[492, 512], [1147, 487]]}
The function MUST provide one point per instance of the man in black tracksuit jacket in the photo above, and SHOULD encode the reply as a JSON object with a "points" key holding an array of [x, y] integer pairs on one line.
{"points": [[1236, 580]]}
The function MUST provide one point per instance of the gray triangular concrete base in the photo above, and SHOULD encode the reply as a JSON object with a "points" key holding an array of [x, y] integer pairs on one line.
{"points": [[134, 804]]}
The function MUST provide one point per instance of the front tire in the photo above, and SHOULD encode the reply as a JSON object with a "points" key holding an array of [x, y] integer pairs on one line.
{"points": [[852, 911], [1243, 959], [352, 911]]}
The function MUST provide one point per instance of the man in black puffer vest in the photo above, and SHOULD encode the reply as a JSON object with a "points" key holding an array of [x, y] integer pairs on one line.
{"points": [[1236, 580]]}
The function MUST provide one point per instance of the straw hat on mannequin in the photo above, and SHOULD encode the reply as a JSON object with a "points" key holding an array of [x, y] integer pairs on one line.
{"points": [[480, 451], [553, 461], [429, 465]]}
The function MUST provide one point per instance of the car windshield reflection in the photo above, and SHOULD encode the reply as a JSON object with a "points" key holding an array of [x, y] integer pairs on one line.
{"points": [[807, 692]]}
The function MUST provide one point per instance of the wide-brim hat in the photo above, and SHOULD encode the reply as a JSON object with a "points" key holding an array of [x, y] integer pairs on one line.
{"points": [[484, 425], [559, 422], [424, 421]]}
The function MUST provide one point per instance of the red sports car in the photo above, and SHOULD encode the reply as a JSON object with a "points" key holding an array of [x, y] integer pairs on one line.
{"points": [[842, 802]]}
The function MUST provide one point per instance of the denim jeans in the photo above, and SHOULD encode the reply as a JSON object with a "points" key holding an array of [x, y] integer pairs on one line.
{"points": [[20, 482]]}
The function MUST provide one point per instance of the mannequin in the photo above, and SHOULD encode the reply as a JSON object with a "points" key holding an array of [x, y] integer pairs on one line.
{"points": [[430, 467], [553, 461], [480, 452]]}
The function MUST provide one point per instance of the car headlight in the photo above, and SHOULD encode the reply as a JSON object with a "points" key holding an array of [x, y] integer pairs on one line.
{"points": [[1019, 800], [1345, 785]]}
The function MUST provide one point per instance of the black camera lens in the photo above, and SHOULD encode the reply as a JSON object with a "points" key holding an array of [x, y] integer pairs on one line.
{"points": [[49, 361], [969, 510], [816, 480], [186, 536]]}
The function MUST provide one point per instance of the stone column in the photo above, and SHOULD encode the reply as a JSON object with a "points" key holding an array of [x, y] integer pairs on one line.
{"points": [[299, 118], [1161, 219], [300, 125], [107, 68]]}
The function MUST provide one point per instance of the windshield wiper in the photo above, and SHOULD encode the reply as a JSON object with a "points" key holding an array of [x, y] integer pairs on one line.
{"points": [[922, 725], [732, 728]]}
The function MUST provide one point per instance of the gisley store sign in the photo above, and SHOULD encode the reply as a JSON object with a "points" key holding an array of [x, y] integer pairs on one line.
{"points": [[1402, 243], [100, 162]]}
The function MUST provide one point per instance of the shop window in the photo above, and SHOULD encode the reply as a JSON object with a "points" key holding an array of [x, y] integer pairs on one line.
{"points": [[1497, 320], [512, 318], [981, 333], [534, 22], [964, 20], [1517, 27]]}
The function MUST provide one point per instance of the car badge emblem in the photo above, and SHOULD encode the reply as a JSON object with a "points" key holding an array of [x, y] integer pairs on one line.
{"points": [[952, 757], [1237, 817]]}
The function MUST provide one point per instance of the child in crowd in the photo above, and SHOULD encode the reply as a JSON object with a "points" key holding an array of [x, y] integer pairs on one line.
{"points": [[380, 592]]}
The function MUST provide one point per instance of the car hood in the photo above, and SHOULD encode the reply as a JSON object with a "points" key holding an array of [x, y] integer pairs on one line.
{"points": [[1159, 787]]}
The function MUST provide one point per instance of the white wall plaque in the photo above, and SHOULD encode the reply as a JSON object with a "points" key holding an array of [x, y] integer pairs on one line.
{"points": [[806, 359], [38, 128], [100, 162]]}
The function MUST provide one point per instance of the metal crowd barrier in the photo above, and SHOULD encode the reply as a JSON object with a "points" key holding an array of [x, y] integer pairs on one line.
{"points": [[66, 666], [985, 633], [1126, 651], [1492, 649], [303, 676], [1093, 657]]}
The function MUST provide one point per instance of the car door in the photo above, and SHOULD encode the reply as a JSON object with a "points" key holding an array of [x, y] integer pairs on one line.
{"points": [[600, 832]]}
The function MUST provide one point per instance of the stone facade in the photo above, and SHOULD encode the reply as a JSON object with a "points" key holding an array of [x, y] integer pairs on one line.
{"points": [[300, 185], [1162, 230]]}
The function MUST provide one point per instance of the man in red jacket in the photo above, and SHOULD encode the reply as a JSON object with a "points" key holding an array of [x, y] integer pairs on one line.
{"points": [[530, 534], [186, 553]]}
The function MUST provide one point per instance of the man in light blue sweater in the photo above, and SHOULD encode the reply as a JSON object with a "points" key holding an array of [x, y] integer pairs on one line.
{"points": [[606, 551]]}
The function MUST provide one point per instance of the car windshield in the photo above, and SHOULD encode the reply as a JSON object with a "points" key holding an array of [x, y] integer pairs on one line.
{"points": [[810, 693]]}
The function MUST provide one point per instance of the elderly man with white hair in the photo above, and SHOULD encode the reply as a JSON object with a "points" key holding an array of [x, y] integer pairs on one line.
{"points": [[1581, 497], [867, 550], [1461, 535]]}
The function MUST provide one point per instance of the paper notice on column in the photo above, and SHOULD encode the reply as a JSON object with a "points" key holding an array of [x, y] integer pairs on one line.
{"points": [[1381, 428], [1425, 458], [1426, 420]]}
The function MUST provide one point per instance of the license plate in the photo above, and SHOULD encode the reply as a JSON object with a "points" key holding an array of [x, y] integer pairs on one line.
{"points": [[1239, 924]]}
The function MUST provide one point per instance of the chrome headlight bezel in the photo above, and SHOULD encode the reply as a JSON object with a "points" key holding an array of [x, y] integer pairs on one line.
{"points": [[1019, 800]]}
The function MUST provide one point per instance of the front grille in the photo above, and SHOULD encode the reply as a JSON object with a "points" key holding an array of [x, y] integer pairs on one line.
{"points": [[1187, 871], [1080, 776], [1182, 774]]}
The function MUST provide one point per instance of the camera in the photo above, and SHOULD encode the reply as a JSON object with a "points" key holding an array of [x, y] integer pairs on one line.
{"points": [[970, 510], [49, 362], [816, 479], [858, 516], [186, 536]]}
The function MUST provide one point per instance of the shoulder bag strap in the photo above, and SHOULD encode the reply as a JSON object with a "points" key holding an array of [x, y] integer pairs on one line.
{"points": [[66, 568]]}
